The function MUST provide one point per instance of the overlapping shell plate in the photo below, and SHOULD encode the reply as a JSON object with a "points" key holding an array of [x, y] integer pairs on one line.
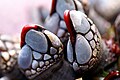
{"points": [[41, 51], [87, 49], [9, 49]]}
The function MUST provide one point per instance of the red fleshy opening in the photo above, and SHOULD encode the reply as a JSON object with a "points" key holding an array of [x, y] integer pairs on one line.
{"points": [[70, 26], [112, 75], [25, 29], [53, 7]]}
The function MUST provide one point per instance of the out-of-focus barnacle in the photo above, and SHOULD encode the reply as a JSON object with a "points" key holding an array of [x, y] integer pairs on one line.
{"points": [[117, 29], [108, 9], [102, 24], [86, 5], [84, 45], [43, 13], [117, 22], [9, 50], [55, 22], [37, 15], [41, 55]]}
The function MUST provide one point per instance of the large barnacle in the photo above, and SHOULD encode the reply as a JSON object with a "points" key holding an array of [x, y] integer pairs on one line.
{"points": [[41, 52], [84, 45]]}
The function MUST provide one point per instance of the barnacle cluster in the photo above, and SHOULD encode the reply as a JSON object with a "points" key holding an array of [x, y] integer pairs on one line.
{"points": [[79, 39]]}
